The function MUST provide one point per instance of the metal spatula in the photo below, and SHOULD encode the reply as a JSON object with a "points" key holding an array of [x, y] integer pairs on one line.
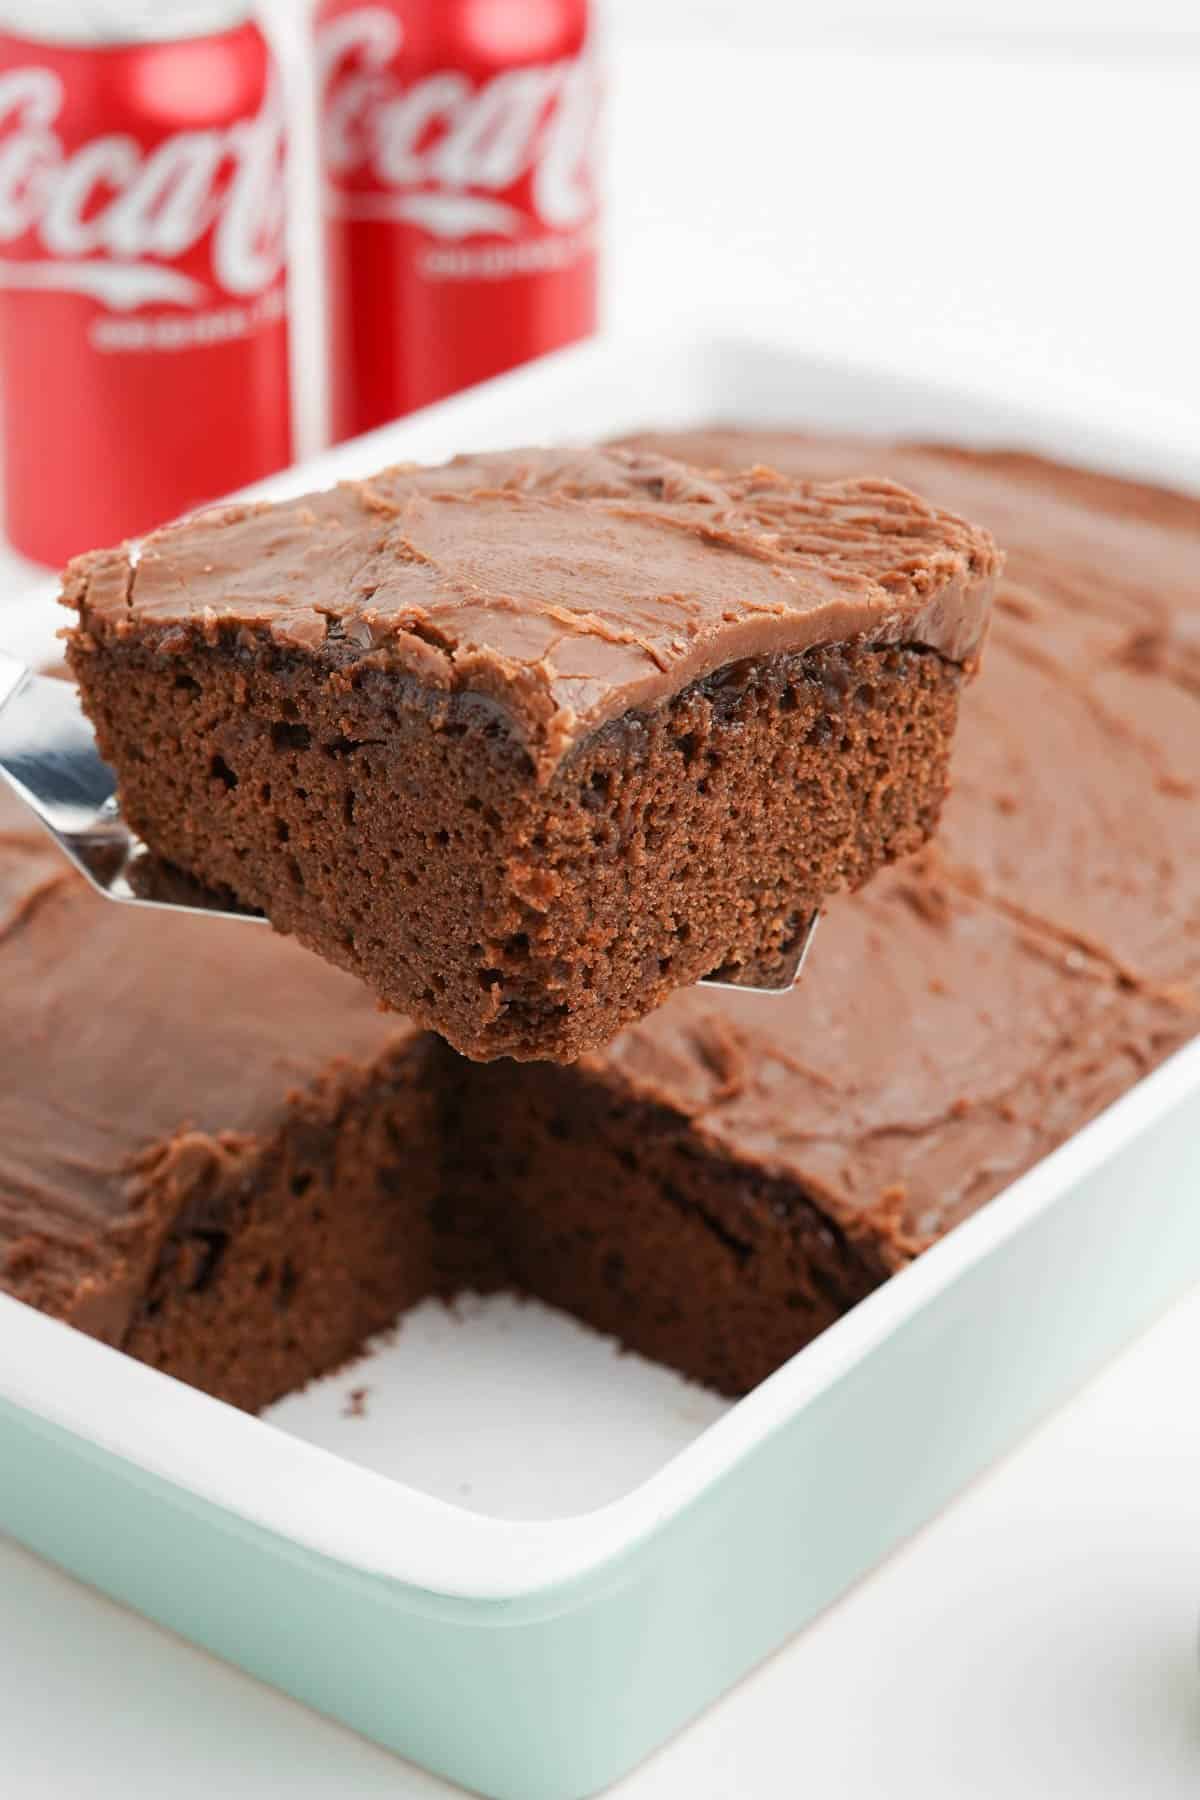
{"points": [[49, 757]]}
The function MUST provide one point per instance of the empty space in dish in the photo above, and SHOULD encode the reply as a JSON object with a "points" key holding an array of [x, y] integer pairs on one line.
{"points": [[502, 1406]]}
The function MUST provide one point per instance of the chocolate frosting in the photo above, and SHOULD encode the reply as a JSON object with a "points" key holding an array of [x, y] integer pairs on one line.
{"points": [[570, 586]]}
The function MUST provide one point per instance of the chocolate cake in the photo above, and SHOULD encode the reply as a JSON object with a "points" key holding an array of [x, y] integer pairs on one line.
{"points": [[217, 1154], [214, 1151], [530, 740]]}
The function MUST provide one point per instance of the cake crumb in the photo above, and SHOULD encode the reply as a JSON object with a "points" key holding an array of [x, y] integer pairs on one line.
{"points": [[356, 1403]]}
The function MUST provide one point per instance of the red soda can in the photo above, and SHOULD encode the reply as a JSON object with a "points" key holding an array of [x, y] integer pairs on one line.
{"points": [[143, 327], [457, 144]]}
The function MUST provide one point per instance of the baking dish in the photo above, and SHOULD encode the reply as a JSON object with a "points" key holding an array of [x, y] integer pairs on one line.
{"points": [[540, 1656]]}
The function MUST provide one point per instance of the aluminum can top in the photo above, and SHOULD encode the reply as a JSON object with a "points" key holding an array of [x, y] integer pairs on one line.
{"points": [[101, 23]]}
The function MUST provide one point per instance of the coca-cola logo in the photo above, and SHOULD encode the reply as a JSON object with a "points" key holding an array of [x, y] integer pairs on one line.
{"points": [[110, 219], [441, 151]]}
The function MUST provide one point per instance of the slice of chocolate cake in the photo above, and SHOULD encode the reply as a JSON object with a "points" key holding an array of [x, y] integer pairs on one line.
{"points": [[530, 740], [214, 1151]]}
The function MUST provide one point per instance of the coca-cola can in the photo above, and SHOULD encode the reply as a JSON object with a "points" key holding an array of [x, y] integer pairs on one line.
{"points": [[143, 327], [457, 146]]}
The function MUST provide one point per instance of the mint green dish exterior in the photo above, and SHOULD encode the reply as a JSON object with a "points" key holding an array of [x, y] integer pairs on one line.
{"points": [[553, 1693], [540, 1661]]}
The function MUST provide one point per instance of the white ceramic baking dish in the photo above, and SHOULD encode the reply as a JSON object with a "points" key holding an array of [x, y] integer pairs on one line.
{"points": [[528, 1561]]}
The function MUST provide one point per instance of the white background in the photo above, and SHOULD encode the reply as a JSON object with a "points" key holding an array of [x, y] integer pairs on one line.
{"points": [[1003, 195]]}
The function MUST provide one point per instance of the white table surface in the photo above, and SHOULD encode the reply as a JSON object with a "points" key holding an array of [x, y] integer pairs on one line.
{"points": [[1022, 222]]}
